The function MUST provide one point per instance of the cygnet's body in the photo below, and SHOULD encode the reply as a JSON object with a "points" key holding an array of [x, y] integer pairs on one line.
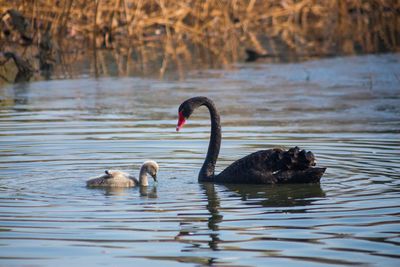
{"points": [[115, 178]]}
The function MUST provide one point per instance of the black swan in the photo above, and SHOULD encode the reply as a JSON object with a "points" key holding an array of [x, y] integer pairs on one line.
{"points": [[115, 178], [262, 167]]}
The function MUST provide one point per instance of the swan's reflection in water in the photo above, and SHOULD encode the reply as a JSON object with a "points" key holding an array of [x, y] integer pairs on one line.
{"points": [[147, 191], [255, 196], [144, 191], [288, 195], [213, 205]]}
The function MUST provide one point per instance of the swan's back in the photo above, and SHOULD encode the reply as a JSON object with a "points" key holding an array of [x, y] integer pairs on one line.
{"points": [[113, 178], [273, 166]]}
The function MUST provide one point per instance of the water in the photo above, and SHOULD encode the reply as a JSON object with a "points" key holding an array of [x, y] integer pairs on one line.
{"points": [[54, 135]]}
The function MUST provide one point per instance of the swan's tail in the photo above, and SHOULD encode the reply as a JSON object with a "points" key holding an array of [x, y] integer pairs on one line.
{"points": [[296, 166], [310, 175]]}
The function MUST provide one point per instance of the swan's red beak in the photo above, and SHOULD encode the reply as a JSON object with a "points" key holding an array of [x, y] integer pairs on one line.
{"points": [[181, 121]]}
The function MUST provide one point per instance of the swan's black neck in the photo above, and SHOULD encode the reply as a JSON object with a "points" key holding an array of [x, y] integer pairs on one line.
{"points": [[207, 171]]}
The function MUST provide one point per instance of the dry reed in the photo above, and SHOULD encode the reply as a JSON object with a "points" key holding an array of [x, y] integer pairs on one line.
{"points": [[140, 34]]}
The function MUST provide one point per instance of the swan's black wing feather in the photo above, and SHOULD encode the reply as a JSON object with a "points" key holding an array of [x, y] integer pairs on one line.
{"points": [[273, 166]]}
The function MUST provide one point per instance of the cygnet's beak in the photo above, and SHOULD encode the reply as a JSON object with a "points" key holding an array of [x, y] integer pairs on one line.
{"points": [[154, 177]]}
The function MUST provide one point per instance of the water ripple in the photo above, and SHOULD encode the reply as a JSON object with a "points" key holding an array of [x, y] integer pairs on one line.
{"points": [[54, 135]]}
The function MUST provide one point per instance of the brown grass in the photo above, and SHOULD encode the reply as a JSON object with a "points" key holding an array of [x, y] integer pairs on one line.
{"points": [[144, 35]]}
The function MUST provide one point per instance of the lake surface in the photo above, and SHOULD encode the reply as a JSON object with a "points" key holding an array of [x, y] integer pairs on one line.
{"points": [[54, 135]]}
